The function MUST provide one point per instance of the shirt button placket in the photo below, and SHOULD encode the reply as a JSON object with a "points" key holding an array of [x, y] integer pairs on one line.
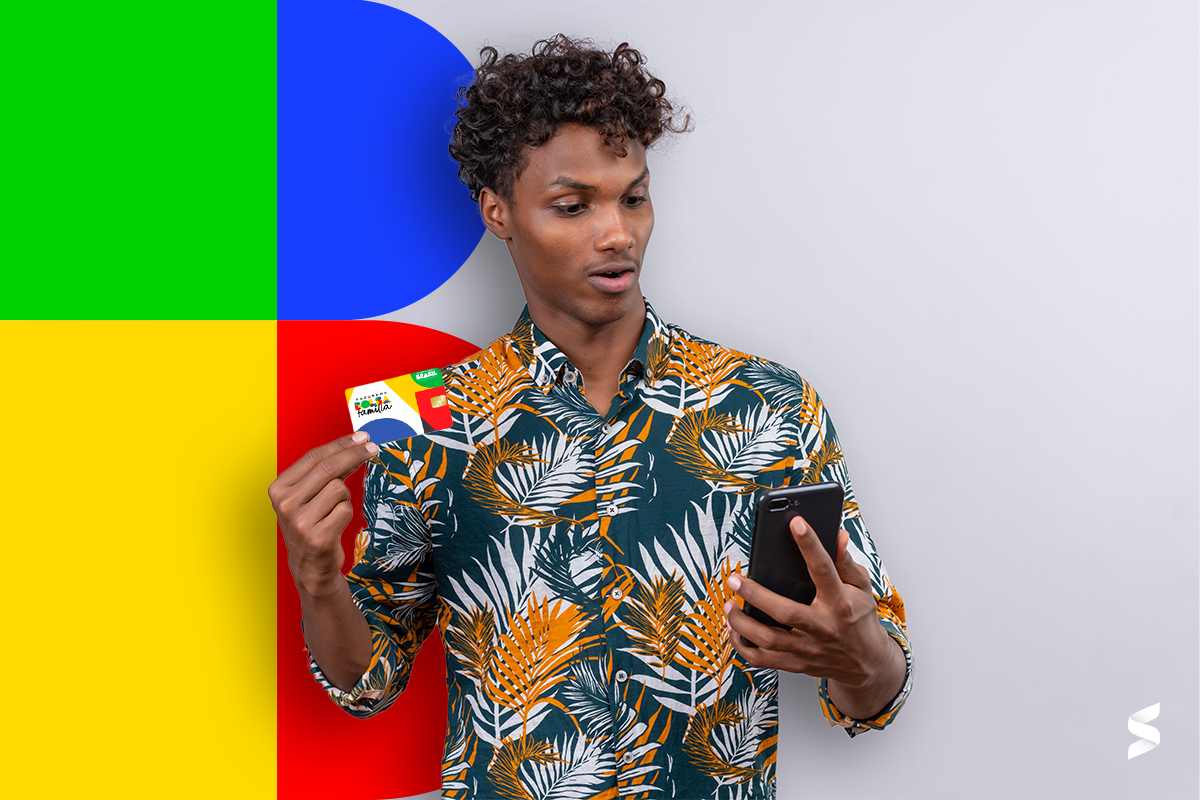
{"points": [[611, 515]]}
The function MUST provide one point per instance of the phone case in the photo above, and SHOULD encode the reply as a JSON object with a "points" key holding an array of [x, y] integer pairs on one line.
{"points": [[775, 559]]}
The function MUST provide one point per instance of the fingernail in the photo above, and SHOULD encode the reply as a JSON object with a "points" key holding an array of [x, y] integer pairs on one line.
{"points": [[734, 582], [360, 436], [728, 607], [372, 448]]}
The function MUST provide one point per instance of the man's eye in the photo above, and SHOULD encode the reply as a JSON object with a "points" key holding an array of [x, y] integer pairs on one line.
{"points": [[636, 200], [572, 210]]}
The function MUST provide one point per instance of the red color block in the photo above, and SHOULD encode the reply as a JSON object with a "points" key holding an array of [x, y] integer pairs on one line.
{"points": [[323, 752]]}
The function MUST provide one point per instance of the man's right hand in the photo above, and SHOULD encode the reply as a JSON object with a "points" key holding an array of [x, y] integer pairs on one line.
{"points": [[313, 505]]}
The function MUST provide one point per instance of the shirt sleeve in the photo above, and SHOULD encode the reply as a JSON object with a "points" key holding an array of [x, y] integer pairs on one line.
{"points": [[391, 581], [826, 462]]}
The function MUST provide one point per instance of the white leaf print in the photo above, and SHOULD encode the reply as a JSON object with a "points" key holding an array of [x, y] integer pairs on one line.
{"points": [[761, 440], [581, 772], [561, 471]]}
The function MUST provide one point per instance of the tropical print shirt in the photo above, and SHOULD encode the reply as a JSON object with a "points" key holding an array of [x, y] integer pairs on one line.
{"points": [[576, 567]]}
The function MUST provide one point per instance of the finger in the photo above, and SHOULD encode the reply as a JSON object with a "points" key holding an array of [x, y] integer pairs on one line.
{"points": [[318, 512], [769, 640], [849, 570], [820, 566], [296, 472], [781, 609], [336, 466], [743, 626]]}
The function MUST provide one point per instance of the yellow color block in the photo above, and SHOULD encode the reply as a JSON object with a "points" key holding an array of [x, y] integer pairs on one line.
{"points": [[139, 598]]}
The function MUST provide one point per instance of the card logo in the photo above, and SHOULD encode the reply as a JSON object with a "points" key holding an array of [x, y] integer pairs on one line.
{"points": [[372, 405]]}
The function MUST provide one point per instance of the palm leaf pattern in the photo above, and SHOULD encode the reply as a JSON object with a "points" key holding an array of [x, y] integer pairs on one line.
{"points": [[698, 746], [533, 655], [783, 388], [410, 539], [829, 454], [685, 443], [539, 486], [483, 399], [458, 756], [636, 746], [472, 641], [706, 646], [731, 452], [504, 579], [712, 534], [571, 565], [510, 757], [577, 569], [655, 620], [587, 694], [524, 474], [705, 367], [740, 743], [570, 411], [581, 771]]}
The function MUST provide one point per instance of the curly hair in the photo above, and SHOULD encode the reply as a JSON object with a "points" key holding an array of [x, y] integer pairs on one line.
{"points": [[518, 101]]}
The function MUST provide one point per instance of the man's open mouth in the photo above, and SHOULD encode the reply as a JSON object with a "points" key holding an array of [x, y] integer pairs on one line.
{"points": [[613, 281]]}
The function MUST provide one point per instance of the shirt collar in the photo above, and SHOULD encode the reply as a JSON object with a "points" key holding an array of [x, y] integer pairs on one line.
{"points": [[547, 364]]}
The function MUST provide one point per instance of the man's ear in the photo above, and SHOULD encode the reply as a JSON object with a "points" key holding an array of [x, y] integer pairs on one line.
{"points": [[495, 213]]}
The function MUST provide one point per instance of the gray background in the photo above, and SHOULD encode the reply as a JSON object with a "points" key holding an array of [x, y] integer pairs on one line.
{"points": [[973, 226]]}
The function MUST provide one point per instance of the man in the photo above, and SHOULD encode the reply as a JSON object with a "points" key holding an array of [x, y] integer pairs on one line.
{"points": [[579, 533]]}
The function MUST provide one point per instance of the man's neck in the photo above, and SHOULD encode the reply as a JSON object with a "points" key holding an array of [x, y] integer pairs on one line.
{"points": [[600, 353]]}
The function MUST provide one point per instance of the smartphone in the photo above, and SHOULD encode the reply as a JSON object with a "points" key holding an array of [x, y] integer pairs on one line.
{"points": [[775, 559]]}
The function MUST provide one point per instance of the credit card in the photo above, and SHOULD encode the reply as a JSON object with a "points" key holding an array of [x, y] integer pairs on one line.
{"points": [[400, 407]]}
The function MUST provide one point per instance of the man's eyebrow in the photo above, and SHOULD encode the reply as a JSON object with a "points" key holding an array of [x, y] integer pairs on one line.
{"points": [[571, 183], [645, 173]]}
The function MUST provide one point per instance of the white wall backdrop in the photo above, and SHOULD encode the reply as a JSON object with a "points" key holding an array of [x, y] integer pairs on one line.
{"points": [[974, 227]]}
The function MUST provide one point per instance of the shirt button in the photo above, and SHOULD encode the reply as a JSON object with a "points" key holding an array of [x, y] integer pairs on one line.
{"points": [[570, 376], [627, 758], [612, 510], [622, 676], [616, 594]]}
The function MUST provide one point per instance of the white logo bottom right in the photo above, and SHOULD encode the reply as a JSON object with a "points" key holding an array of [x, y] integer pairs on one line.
{"points": [[1148, 736]]}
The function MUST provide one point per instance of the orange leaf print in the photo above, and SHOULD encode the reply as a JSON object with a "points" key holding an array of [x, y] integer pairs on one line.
{"points": [[532, 658]]}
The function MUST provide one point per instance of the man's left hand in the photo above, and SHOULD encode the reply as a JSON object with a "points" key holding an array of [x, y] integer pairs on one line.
{"points": [[837, 637]]}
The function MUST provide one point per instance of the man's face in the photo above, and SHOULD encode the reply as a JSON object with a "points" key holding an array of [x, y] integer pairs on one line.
{"points": [[578, 227]]}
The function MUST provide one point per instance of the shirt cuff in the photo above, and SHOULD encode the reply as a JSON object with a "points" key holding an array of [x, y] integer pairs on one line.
{"points": [[854, 727], [370, 695]]}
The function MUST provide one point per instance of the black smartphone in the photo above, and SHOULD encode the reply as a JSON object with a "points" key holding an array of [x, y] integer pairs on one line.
{"points": [[775, 560]]}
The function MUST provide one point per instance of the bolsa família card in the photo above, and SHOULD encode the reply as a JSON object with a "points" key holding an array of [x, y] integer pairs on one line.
{"points": [[397, 408]]}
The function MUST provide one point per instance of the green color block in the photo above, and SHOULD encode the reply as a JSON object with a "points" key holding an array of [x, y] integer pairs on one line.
{"points": [[140, 161]]}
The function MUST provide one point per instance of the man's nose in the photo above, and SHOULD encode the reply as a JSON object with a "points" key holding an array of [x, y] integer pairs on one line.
{"points": [[615, 232]]}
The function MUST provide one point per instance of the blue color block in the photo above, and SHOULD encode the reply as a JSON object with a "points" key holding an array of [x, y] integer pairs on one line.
{"points": [[388, 430], [372, 216]]}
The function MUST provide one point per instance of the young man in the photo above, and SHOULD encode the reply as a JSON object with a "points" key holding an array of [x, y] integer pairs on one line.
{"points": [[578, 535]]}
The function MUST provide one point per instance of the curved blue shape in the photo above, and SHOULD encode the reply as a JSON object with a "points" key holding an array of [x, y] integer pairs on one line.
{"points": [[372, 216], [388, 430]]}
